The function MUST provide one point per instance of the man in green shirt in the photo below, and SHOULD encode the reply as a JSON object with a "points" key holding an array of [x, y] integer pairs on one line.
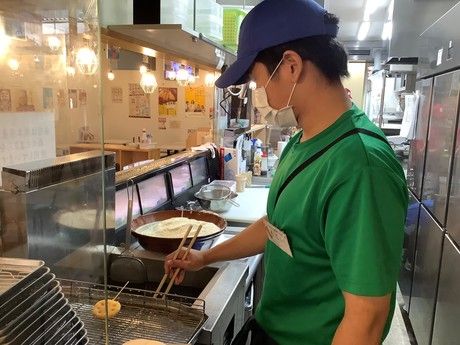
{"points": [[336, 209]]}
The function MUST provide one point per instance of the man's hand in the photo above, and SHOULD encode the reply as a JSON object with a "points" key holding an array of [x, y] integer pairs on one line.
{"points": [[249, 242], [194, 262], [364, 320]]}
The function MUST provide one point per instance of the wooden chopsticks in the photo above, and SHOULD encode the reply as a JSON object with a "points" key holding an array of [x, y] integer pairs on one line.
{"points": [[176, 254]]}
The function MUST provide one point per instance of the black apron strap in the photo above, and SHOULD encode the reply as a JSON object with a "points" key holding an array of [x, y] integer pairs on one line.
{"points": [[318, 154], [258, 335]]}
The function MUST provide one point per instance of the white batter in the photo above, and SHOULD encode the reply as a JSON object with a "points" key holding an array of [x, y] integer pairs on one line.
{"points": [[177, 227]]}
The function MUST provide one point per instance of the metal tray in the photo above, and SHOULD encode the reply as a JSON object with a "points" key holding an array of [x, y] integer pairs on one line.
{"points": [[18, 308], [79, 337], [33, 323], [175, 319], [67, 316], [23, 286], [65, 329], [12, 271], [39, 328], [20, 324]]}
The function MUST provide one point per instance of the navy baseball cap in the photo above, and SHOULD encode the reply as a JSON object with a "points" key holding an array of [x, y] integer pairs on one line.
{"points": [[270, 23]]}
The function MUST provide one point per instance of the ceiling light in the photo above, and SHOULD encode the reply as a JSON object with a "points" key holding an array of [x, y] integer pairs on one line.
{"points": [[182, 76], [54, 43], [86, 61], [363, 30], [110, 76], [70, 71], [13, 64], [209, 80], [143, 69], [4, 43], [148, 82], [387, 31], [252, 85], [391, 8], [370, 8]]}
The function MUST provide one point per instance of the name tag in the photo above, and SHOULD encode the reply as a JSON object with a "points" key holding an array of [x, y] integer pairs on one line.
{"points": [[279, 238]]}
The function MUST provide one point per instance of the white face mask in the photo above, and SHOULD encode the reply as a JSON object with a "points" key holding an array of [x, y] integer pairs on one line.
{"points": [[284, 117]]}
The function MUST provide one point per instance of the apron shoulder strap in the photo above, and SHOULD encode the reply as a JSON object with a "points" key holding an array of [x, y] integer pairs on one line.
{"points": [[318, 154]]}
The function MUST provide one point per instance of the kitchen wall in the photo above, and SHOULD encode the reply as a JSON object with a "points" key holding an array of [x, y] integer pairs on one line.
{"points": [[356, 81], [166, 130]]}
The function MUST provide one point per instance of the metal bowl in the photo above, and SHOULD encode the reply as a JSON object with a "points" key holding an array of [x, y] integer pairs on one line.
{"points": [[218, 205]]}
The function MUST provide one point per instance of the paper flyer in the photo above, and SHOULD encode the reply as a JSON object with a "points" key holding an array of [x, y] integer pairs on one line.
{"points": [[139, 102], [167, 101]]}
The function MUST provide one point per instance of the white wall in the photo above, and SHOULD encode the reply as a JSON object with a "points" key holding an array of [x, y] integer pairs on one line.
{"points": [[356, 81], [118, 124]]}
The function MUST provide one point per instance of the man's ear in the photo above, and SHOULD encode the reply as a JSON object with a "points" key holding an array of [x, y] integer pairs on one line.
{"points": [[295, 64]]}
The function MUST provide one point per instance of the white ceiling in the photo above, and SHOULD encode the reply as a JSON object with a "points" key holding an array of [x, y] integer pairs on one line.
{"points": [[350, 13]]}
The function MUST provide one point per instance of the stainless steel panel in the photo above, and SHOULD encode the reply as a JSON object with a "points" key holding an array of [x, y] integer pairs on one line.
{"points": [[439, 45], [426, 270], [408, 257], [441, 133], [417, 153], [453, 212], [446, 330]]}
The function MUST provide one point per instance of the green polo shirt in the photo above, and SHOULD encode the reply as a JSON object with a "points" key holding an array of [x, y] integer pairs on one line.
{"points": [[344, 218]]}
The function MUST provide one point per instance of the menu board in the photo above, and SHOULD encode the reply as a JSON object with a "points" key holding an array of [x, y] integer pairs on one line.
{"points": [[26, 137]]}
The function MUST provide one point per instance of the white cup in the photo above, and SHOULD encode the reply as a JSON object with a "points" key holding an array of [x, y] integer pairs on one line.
{"points": [[240, 183]]}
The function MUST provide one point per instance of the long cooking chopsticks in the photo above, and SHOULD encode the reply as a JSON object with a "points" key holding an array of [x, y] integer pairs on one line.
{"points": [[176, 272], [165, 276]]}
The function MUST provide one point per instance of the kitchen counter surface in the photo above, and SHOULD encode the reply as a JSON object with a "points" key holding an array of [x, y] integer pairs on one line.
{"points": [[253, 206]]}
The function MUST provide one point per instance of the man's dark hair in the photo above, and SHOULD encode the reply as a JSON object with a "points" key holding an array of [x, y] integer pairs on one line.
{"points": [[324, 51]]}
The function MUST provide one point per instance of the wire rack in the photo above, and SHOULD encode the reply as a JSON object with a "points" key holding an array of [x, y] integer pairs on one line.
{"points": [[12, 271], [176, 319]]}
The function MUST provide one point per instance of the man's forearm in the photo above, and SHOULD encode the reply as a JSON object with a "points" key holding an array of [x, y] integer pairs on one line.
{"points": [[249, 242]]}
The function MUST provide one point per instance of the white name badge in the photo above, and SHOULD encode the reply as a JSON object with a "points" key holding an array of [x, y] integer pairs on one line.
{"points": [[279, 238]]}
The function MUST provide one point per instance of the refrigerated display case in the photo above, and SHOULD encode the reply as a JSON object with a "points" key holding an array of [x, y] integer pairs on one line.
{"points": [[446, 331], [440, 146], [417, 152], [408, 257]]}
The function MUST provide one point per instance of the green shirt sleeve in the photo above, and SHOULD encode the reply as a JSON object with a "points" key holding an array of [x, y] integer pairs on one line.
{"points": [[363, 231]]}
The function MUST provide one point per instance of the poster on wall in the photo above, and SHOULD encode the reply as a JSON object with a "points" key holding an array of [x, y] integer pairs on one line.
{"points": [[47, 98], [5, 100], [60, 97], [195, 99], [162, 123], [167, 100], [82, 97], [73, 98], [139, 102], [23, 100], [117, 95], [175, 124]]}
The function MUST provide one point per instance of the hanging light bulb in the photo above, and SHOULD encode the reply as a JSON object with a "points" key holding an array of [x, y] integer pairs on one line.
{"points": [[148, 82], [143, 69], [13, 64], [191, 79], [110, 76], [209, 80], [86, 61], [70, 71], [182, 76], [252, 85], [54, 43], [171, 75]]}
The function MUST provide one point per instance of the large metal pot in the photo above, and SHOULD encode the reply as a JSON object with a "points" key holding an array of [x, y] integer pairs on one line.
{"points": [[168, 245]]}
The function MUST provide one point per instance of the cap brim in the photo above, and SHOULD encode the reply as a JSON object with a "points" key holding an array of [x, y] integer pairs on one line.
{"points": [[237, 73]]}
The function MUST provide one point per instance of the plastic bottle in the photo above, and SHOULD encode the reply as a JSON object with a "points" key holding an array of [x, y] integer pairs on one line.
{"points": [[144, 136]]}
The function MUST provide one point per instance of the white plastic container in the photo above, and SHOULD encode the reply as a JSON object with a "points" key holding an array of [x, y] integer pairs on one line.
{"points": [[177, 12], [209, 19]]}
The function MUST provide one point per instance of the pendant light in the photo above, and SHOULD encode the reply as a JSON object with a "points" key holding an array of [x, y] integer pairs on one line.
{"points": [[148, 82], [86, 61]]}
